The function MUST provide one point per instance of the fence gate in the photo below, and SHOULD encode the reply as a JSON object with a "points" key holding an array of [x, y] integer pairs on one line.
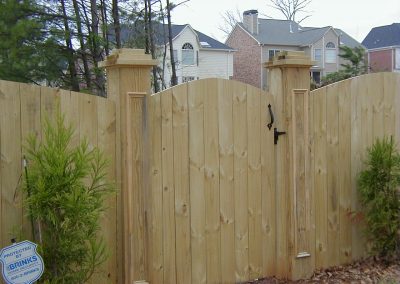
{"points": [[208, 197], [211, 203]]}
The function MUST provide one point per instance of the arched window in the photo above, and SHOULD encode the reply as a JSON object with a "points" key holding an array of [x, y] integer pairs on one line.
{"points": [[330, 52], [187, 54], [330, 45]]}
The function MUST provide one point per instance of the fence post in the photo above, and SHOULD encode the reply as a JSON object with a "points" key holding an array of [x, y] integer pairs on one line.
{"points": [[289, 83], [128, 84]]}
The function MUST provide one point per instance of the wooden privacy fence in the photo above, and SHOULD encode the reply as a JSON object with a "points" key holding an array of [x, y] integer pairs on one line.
{"points": [[23, 109], [205, 194]]}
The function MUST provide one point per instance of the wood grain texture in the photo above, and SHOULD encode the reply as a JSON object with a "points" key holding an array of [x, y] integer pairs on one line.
{"points": [[254, 181], [10, 162], [180, 130], [196, 99], [168, 189], [240, 149], [155, 200], [211, 185], [227, 197]]}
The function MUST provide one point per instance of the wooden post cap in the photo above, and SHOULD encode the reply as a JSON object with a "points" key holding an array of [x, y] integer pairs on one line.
{"points": [[128, 57], [290, 59]]}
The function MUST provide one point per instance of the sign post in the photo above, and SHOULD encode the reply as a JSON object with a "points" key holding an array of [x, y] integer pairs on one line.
{"points": [[21, 264]]}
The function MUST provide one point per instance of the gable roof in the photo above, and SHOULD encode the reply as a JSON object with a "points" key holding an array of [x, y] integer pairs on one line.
{"points": [[285, 32], [161, 35], [383, 36], [213, 43]]}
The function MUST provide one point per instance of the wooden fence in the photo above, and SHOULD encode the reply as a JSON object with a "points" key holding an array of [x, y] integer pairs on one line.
{"points": [[205, 194], [23, 109], [347, 118]]}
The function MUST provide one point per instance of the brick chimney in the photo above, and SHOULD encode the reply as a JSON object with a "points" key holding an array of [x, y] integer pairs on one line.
{"points": [[250, 21]]}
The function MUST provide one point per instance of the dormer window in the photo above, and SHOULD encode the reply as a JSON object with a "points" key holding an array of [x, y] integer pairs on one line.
{"points": [[330, 52], [187, 54]]}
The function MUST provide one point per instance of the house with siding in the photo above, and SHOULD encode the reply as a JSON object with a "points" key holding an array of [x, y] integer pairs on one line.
{"points": [[383, 44], [196, 55], [257, 40]]}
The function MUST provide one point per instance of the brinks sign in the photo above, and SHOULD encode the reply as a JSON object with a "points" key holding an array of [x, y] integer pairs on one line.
{"points": [[21, 264]]}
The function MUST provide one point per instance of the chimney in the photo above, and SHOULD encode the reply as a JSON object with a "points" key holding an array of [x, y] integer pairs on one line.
{"points": [[250, 21]]}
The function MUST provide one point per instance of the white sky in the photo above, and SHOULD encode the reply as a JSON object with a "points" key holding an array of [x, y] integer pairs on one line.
{"points": [[355, 17]]}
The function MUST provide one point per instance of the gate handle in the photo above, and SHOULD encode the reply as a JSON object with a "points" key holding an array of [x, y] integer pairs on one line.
{"points": [[271, 114], [277, 134]]}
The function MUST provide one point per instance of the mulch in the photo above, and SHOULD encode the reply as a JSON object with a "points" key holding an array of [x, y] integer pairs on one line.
{"points": [[370, 270]]}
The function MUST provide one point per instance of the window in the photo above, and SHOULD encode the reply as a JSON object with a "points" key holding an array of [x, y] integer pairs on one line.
{"points": [[330, 53], [318, 54], [187, 54], [272, 53], [187, 79], [397, 58], [316, 76]]}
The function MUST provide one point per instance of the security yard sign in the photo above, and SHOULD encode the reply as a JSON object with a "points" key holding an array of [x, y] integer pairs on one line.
{"points": [[21, 264]]}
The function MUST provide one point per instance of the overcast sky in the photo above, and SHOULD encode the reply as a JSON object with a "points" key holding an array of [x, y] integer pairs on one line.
{"points": [[355, 17]]}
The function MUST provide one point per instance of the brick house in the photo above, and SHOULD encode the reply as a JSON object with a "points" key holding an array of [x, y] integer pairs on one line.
{"points": [[256, 40], [383, 44]]}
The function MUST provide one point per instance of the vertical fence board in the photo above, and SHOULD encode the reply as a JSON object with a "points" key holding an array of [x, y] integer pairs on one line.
{"points": [[268, 196], [181, 181], [30, 126], [389, 103], [106, 120], [197, 194], [356, 153], [155, 205], [169, 190], [49, 104], [375, 95], [240, 182], [320, 173], [332, 155], [344, 168], [211, 189], [10, 162], [227, 197], [254, 181], [69, 102]]}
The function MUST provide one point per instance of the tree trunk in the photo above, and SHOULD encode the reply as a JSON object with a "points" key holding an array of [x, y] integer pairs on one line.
{"points": [[96, 52], [82, 44], [117, 27], [146, 27], [174, 80], [152, 48], [104, 26], [70, 51]]}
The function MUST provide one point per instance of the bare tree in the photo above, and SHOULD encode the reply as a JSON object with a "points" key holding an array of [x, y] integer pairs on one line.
{"points": [[290, 8], [174, 80], [229, 20]]}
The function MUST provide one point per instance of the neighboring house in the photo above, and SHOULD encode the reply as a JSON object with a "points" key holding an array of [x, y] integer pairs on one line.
{"points": [[196, 55], [383, 44], [257, 40]]}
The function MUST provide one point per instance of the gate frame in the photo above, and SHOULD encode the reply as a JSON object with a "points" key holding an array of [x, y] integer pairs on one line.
{"points": [[128, 84]]}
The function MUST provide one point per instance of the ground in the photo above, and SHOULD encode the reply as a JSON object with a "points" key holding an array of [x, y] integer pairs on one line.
{"points": [[371, 270]]}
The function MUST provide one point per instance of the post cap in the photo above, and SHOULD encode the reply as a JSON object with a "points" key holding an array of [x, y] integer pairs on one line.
{"points": [[128, 57], [290, 59]]}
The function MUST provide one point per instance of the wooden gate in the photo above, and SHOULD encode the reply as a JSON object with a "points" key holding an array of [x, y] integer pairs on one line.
{"points": [[211, 203]]}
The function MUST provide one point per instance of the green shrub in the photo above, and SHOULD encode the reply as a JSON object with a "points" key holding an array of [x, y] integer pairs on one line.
{"points": [[66, 188], [378, 187]]}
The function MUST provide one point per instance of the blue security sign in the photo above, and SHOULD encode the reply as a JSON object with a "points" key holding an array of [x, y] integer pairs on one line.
{"points": [[21, 264]]}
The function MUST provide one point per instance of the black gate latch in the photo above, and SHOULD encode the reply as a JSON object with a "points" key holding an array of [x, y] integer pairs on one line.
{"points": [[277, 134]]}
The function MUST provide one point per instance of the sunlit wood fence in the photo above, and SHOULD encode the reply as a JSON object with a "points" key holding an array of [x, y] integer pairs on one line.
{"points": [[205, 195]]}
